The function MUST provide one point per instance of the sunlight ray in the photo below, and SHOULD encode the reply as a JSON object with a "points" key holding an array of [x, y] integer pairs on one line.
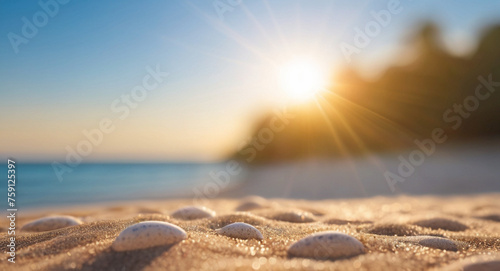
{"points": [[344, 152], [259, 26], [371, 156], [347, 127], [370, 112], [222, 28], [196, 49], [332, 130], [277, 28]]}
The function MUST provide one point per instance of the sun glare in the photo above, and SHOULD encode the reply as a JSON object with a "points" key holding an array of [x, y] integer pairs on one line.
{"points": [[301, 79]]}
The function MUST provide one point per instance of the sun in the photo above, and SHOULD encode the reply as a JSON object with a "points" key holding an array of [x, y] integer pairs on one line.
{"points": [[302, 79]]}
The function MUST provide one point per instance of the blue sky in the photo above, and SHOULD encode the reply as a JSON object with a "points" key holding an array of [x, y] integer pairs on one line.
{"points": [[221, 72]]}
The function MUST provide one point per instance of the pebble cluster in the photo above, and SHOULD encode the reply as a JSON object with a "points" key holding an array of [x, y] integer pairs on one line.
{"points": [[329, 245], [51, 223]]}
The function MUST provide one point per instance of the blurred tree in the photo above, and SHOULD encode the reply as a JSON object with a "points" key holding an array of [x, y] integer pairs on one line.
{"points": [[404, 104]]}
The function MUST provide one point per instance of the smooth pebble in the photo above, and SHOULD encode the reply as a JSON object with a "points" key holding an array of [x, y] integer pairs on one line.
{"points": [[327, 245], [254, 198], [441, 223], [51, 223], [248, 206], [475, 263], [193, 212], [241, 230], [434, 242], [492, 217], [148, 234], [252, 203], [335, 221], [295, 217], [483, 266], [394, 229]]}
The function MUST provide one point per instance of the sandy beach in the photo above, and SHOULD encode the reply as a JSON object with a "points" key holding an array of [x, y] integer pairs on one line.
{"points": [[250, 135], [388, 227]]}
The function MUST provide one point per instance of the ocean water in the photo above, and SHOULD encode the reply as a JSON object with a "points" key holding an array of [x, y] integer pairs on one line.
{"points": [[37, 184], [452, 169]]}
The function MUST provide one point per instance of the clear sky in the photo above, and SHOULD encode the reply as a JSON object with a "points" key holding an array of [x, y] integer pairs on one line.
{"points": [[222, 69]]}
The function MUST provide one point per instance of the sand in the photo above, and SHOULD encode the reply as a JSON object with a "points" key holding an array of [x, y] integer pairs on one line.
{"points": [[389, 227]]}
